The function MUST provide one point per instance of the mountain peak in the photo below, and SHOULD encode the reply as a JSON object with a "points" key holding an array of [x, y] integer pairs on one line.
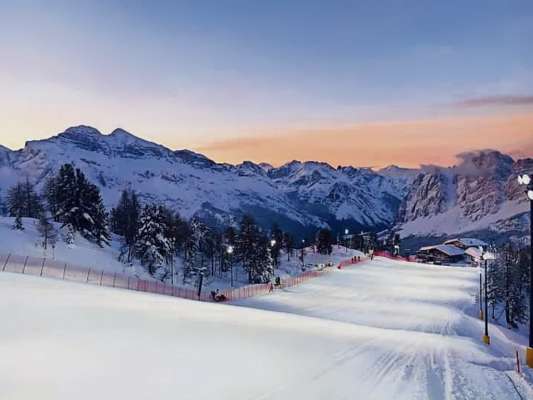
{"points": [[81, 130], [122, 133]]}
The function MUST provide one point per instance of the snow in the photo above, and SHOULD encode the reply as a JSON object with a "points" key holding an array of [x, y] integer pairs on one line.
{"points": [[467, 242], [378, 330], [444, 248], [85, 254], [194, 185], [82, 252], [453, 221], [474, 252]]}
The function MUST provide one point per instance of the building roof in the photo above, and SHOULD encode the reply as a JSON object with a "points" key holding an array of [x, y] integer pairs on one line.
{"points": [[474, 252], [445, 249], [467, 242]]}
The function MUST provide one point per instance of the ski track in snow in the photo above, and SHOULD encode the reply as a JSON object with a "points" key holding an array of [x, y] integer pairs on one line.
{"points": [[431, 319], [378, 330]]}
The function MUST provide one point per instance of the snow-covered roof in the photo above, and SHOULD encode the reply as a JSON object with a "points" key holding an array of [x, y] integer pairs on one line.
{"points": [[444, 248], [467, 242], [474, 252]]}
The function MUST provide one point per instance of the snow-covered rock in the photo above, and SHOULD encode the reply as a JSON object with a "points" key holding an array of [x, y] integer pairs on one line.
{"points": [[479, 194]]}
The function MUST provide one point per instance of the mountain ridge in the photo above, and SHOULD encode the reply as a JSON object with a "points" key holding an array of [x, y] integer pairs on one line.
{"points": [[298, 195]]}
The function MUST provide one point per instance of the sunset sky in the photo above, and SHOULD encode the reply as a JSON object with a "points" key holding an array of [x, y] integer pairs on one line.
{"points": [[347, 82]]}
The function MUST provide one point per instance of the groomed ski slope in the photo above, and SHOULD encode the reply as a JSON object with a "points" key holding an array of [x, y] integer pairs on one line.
{"points": [[378, 330]]}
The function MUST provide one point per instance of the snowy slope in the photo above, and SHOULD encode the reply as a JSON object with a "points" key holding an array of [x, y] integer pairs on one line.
{"points": [[383, 330], [82, 252], [299, 196], [85, 254]]}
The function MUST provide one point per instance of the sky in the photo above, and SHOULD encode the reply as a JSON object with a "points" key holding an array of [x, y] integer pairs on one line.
{"points": [[361, 83]]}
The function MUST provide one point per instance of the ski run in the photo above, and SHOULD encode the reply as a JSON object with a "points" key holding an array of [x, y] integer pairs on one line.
{"points": [[381, 329]]}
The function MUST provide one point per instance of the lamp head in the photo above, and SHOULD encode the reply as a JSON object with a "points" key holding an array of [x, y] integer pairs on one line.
{"points": [[524, 179], [229, 249], [530, 194]]}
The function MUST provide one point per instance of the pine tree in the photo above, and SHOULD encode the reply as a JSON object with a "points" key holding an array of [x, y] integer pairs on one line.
{"points": [[80, 206], [3, 207], [125, 221], [324, 241], [277, 238], [23, 202], [261, 262], [47, 232], [51, 195], [288, 244], [152, 246], [252, 250], [194, 247], [246, 242]]}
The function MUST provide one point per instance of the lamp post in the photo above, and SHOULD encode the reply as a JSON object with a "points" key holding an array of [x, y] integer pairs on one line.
{"points": [[525, 180], [486, 337], [229, 251], [346, 232], [272, 244], [480, 294]]}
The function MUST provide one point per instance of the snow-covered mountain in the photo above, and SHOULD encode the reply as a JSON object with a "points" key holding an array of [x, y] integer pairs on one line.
{"points": [[480, 194], [298, 195]]}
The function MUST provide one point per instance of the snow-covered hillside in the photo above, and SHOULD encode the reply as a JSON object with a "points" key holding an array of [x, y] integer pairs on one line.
{"points": [[299, 196], [379, 330], [85, 254]]}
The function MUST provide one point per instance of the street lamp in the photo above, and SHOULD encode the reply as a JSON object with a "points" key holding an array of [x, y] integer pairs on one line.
{"points": [[485, 256], [346, 232], [229, 251], [274, 260], [526, 181]]}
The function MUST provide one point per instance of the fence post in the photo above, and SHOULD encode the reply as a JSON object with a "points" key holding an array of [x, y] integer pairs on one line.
{"points": [[88, 273], [64, 271], [25, 262], [128, 282], [5, 264], [42, 267], [101, 277], [114, 278]]}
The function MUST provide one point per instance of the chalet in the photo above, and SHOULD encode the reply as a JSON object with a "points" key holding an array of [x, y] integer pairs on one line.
{"points": [[441, 254]]}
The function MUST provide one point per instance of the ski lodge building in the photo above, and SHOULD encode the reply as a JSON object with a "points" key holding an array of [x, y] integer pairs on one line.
{"points": [[453, 251]]}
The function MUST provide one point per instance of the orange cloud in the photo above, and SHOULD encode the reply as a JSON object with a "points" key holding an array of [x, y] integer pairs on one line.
{"points": [[407, 143]]}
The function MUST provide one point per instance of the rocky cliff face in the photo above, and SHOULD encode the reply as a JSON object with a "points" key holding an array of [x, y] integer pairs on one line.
{"points": [[480, 193]]}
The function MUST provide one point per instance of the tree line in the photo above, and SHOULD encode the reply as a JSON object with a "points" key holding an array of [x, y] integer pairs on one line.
{"points": [[507, 284], [152, 233]]}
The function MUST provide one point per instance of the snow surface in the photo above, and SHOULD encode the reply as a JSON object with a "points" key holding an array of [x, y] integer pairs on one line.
{"points": [[453, 221], [379, 330]]}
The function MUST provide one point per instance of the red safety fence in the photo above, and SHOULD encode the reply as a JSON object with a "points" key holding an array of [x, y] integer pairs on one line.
{"points": [[90, 275], [47, 268]]}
